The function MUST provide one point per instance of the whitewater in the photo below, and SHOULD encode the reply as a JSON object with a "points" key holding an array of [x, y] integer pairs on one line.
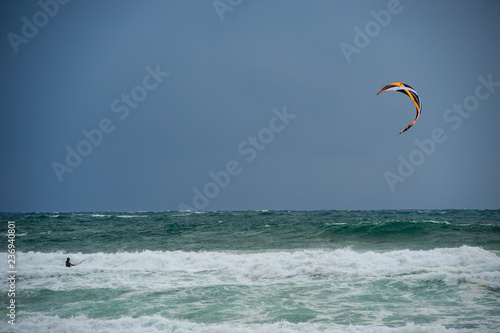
{"points": [[322, 271]]}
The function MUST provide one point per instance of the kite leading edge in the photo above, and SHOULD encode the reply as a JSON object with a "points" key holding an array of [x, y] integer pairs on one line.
{"points": [[407, 90]]}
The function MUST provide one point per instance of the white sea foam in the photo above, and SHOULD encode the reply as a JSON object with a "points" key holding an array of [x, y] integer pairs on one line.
{"points": [[437, 222], [100, 215], [449, 265], [155, 324], [332, 284]]}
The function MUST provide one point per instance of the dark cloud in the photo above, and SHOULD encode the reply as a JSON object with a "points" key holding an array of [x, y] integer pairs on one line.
{"points": [[86, 124]]}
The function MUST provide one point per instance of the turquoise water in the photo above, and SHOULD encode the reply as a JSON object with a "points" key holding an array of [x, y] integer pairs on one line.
{"points": [[257, 271]]}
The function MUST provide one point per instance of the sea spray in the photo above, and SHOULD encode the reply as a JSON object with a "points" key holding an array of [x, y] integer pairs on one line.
{"points": [[325, 271]]}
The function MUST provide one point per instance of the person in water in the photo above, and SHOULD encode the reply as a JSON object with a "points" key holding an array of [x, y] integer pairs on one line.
{"points": [[68, 263]]}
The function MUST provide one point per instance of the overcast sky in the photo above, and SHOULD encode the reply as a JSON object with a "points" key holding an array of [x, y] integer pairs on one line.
{"points": [[235, 105]]}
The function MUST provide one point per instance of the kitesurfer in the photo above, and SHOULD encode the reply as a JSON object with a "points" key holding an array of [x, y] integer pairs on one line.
{"points": [[68, 263]]}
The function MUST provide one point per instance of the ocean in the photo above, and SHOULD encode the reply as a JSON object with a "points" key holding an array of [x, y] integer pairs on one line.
{"points": [[251, 271]]}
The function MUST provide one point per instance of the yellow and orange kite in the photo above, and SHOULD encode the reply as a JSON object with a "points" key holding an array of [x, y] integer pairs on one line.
{"points": [[407, 90]]}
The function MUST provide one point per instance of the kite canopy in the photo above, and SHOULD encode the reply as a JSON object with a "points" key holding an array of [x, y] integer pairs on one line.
{"points": [[407, 90]]}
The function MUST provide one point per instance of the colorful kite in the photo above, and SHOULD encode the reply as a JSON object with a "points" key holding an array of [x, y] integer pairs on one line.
{"points": [[407, 90]]}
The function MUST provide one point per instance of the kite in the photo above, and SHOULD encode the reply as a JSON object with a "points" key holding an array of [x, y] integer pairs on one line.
{"points": [[407, 90]]}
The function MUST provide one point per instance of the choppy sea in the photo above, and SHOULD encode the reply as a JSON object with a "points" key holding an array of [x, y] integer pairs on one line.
{"points": [[253, 271]]}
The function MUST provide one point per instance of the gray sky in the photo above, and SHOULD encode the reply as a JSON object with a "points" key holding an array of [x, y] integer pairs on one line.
{"points": [[235, 105]]}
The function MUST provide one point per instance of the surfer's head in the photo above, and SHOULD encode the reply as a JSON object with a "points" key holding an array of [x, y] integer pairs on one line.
{"points": [[67, 259]]}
